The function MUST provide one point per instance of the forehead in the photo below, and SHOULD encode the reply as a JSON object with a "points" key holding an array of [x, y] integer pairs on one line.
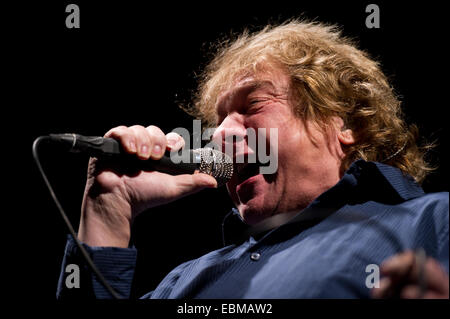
{"points": [[273, 82]]}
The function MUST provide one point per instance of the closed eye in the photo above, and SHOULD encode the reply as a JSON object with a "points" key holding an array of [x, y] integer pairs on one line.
{"points": [[256, 104], [255, 108]]}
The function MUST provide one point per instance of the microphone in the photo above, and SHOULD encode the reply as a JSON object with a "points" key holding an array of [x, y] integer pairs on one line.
{"points": [[203, 160]]}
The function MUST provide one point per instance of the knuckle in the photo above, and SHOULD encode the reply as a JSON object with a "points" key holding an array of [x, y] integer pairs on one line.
{"points": [[136, 127], [173, 136], [153, 128], [140, 133], [158, 141], [157, 134]]}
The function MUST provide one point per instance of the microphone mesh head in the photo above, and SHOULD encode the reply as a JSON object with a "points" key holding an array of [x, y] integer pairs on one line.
{"points": [[215, 163]]}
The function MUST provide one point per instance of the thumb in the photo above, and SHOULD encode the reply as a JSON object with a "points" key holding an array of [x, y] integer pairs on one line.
{"points": [[189, 184]]}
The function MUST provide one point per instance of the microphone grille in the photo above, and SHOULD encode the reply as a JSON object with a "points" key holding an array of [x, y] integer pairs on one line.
{"points": [[215, 163]]}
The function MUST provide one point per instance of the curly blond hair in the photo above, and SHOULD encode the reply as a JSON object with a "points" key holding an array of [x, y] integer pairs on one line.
{"points": [[331, 77]]}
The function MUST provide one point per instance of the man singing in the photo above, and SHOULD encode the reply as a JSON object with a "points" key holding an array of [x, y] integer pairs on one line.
{"points": [[345, 194]]}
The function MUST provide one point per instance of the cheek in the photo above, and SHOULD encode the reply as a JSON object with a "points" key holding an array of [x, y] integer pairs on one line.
{"points": [[291, 142]]}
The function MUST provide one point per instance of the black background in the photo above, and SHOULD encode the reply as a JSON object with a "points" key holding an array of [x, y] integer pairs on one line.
{"points": [[129, 63]]}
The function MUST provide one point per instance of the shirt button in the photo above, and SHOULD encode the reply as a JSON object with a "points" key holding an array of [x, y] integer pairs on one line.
{"points": [[255, 256]]}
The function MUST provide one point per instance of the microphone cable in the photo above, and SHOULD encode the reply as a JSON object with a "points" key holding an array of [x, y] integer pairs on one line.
{"points": [[83, 251]]}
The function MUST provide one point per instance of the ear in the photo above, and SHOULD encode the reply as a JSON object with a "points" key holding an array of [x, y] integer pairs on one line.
{"points": [[345, 136]]}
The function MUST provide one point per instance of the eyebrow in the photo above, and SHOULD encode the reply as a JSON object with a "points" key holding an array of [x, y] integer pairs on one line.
{"points": [[247, 88], [258, 84]]}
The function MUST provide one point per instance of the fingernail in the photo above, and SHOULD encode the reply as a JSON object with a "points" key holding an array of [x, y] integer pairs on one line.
{"points": [[144, 150], [171, 142], [213, 185], [132, 146], [156, 149]]}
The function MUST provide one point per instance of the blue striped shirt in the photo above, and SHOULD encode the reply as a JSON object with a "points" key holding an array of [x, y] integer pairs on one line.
{"points": [[374, 212]]}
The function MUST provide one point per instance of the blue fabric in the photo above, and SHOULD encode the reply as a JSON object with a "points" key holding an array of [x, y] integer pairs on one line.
{"points": [[116, 265], [374, 212]]}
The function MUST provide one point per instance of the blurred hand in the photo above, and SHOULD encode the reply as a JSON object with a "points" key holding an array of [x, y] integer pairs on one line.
{"points": [[402, 278]]}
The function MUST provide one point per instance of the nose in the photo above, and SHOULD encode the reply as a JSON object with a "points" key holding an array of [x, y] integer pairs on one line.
{"points": [[230, 136]]}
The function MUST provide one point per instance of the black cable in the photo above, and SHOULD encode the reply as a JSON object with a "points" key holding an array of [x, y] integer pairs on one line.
{"points": [[67, 221]]}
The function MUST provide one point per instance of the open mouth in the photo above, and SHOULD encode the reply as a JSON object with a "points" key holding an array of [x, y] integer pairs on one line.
{"points": [[245, 171]]}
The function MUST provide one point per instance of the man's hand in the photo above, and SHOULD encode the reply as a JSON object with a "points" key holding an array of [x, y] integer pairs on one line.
{"points": [[114, 195], [406, 276]]}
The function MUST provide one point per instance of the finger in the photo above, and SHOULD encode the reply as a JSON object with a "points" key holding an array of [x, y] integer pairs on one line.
{"points": [[189, 184], [126, 138], [385, 289], [399, 266], [143, 141], [404, 272], [158, 141], [410, 292], [435, 276], [434, 295], [174, 141]]}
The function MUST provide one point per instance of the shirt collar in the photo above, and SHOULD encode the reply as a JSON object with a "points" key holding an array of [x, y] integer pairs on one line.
{"points": [[363, 181], [403, 184]]}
